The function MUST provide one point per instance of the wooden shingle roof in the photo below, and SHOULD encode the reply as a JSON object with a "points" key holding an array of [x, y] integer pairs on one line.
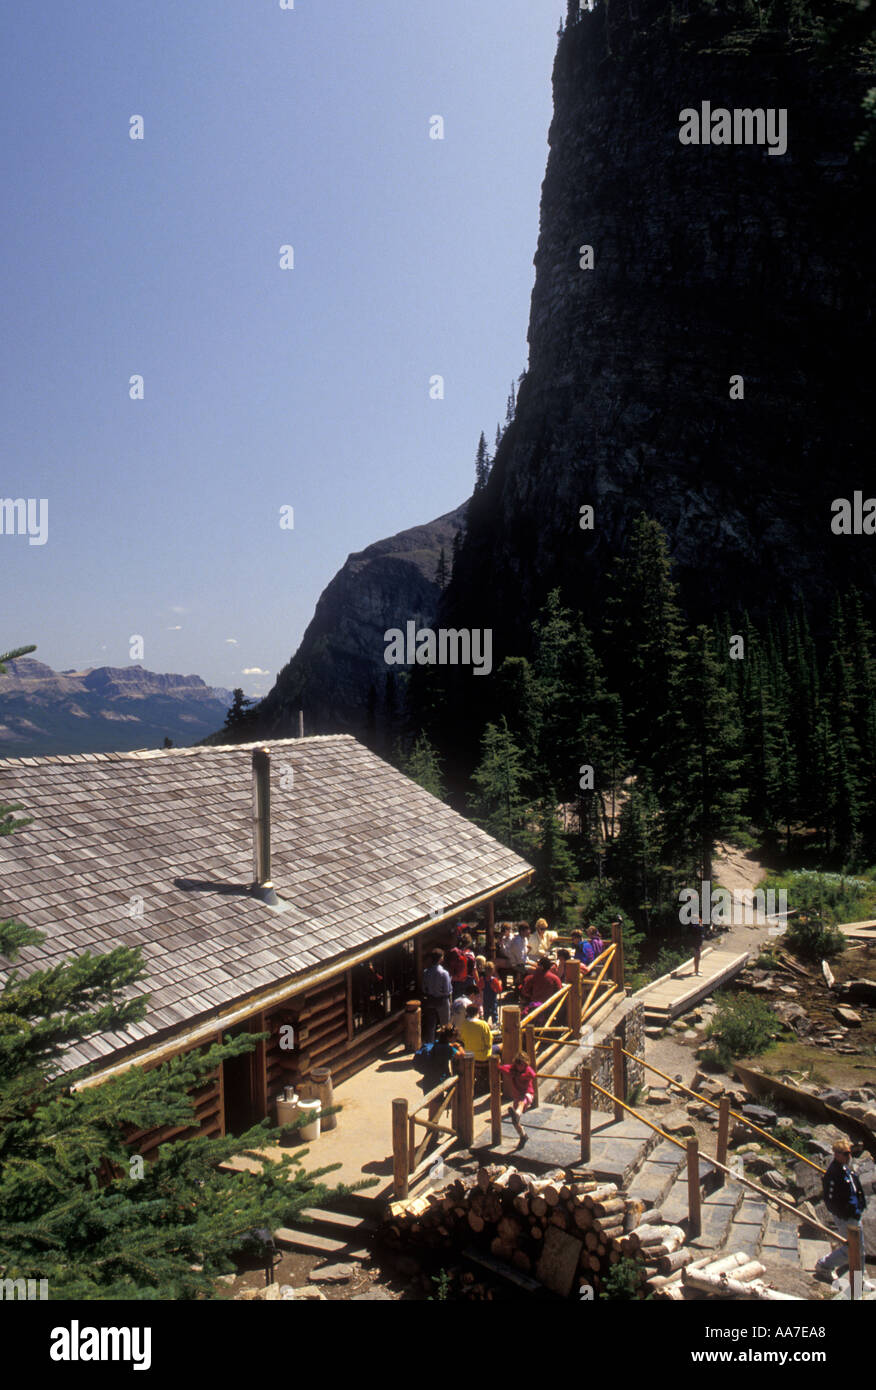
{"points": [[154, 849]]}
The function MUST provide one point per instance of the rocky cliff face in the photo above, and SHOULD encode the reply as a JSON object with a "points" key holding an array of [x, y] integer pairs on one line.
{"points": [[708, 263], [339, 667], [103, 709]]}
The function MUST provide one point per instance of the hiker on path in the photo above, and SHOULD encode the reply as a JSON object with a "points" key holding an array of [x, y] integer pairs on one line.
{"points": [[698, 931], [845, 1200]]}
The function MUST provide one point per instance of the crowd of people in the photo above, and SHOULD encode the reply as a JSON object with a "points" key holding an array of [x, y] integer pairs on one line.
{"points": [[462, 990]]}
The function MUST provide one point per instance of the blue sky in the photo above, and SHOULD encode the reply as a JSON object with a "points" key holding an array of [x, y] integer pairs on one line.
{"points": [[263, 388]]}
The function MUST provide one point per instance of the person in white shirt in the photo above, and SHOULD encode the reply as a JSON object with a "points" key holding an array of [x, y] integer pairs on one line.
{"points": [[541, 939], [516, 951]]}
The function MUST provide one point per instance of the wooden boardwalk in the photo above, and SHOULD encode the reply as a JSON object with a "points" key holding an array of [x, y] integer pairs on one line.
{"points": [[672, 995]]}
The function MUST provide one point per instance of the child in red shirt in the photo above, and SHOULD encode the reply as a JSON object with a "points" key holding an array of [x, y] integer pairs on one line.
{"points": [[522, 1079]]}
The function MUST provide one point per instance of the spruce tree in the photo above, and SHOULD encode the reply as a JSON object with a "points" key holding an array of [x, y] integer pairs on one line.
{"points": [[441, 572], [644, 637], [482, 465], [422, 766], [240, 713], [699, 773], [501, 803], [551, 856]]}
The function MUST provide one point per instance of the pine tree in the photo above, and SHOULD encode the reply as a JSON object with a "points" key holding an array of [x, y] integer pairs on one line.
{"points": [[240, 713], [842, 789], [441, 574], [422, 766], [644, 638], [551, 856], [75, 1208], [574, 713], [500, 803], [482, 465], [635, 861], [699, 773], [456, 551]]}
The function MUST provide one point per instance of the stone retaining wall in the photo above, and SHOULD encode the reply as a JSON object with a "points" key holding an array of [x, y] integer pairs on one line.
{"points": [[630, 1028]]}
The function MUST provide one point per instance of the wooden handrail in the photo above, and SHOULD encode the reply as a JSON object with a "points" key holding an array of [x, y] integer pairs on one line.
{"points": [[430, 1125], [609, 954], [771, 1197], [448, 1086], [555, 999], [714, 1104]]}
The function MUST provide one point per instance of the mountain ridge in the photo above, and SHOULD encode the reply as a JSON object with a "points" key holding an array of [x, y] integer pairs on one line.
{"points": [[44, 712]]}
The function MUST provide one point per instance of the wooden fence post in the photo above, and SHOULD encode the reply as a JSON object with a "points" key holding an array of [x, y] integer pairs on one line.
{"points": [[400, 1151], [617, 964], [586, 1082], [723, 1134], [510, 1040], [575, 1001], [413, 1025], [495, 1103], [530, 1052], [856, 1270], [622, 970], [465, 1132], [617, 1076], [693, 1190]]}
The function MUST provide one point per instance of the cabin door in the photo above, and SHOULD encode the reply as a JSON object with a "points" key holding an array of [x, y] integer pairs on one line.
{"points": [[240, 1081]]}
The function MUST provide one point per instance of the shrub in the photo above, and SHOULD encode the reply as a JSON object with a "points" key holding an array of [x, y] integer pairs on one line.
{"points": [[742, 1027], [787, 1134], [623, 1280], [810, 939]]}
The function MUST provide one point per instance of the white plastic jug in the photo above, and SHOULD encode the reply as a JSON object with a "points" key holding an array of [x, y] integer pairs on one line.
{"points": [[311, 1109]]}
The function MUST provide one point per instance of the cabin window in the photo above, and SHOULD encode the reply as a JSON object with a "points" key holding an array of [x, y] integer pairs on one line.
{"points": [[383, 985]]}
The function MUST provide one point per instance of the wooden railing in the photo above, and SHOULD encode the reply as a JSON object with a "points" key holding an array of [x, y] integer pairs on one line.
{"points": [[690, 1146], [539, 1034], [724, 1113], [410, 1159]]}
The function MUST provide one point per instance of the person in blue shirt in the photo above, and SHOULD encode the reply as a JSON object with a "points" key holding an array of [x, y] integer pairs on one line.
{"points": [[436, 995]]}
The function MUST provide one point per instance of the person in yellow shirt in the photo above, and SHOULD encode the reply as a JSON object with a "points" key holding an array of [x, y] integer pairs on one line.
{"points": [[476, 1035]]}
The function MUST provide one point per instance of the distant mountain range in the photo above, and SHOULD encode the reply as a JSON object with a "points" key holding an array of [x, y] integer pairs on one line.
{"points": [[104, 709]]}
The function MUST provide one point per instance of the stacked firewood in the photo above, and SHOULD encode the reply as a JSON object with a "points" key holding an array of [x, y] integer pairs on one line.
{"points": [[567, 1232], [736, 1276]]}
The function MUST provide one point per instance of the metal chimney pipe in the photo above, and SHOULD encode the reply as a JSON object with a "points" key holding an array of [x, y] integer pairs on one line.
{"points": [[261, 825]]}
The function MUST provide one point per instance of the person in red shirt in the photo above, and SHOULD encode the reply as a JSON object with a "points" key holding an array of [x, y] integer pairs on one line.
{"points": [[540, 985], [522, 1080], [457, 967]]}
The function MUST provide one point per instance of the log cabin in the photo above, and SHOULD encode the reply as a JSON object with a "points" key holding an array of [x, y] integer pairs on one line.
{"points": [[293, 885]]}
